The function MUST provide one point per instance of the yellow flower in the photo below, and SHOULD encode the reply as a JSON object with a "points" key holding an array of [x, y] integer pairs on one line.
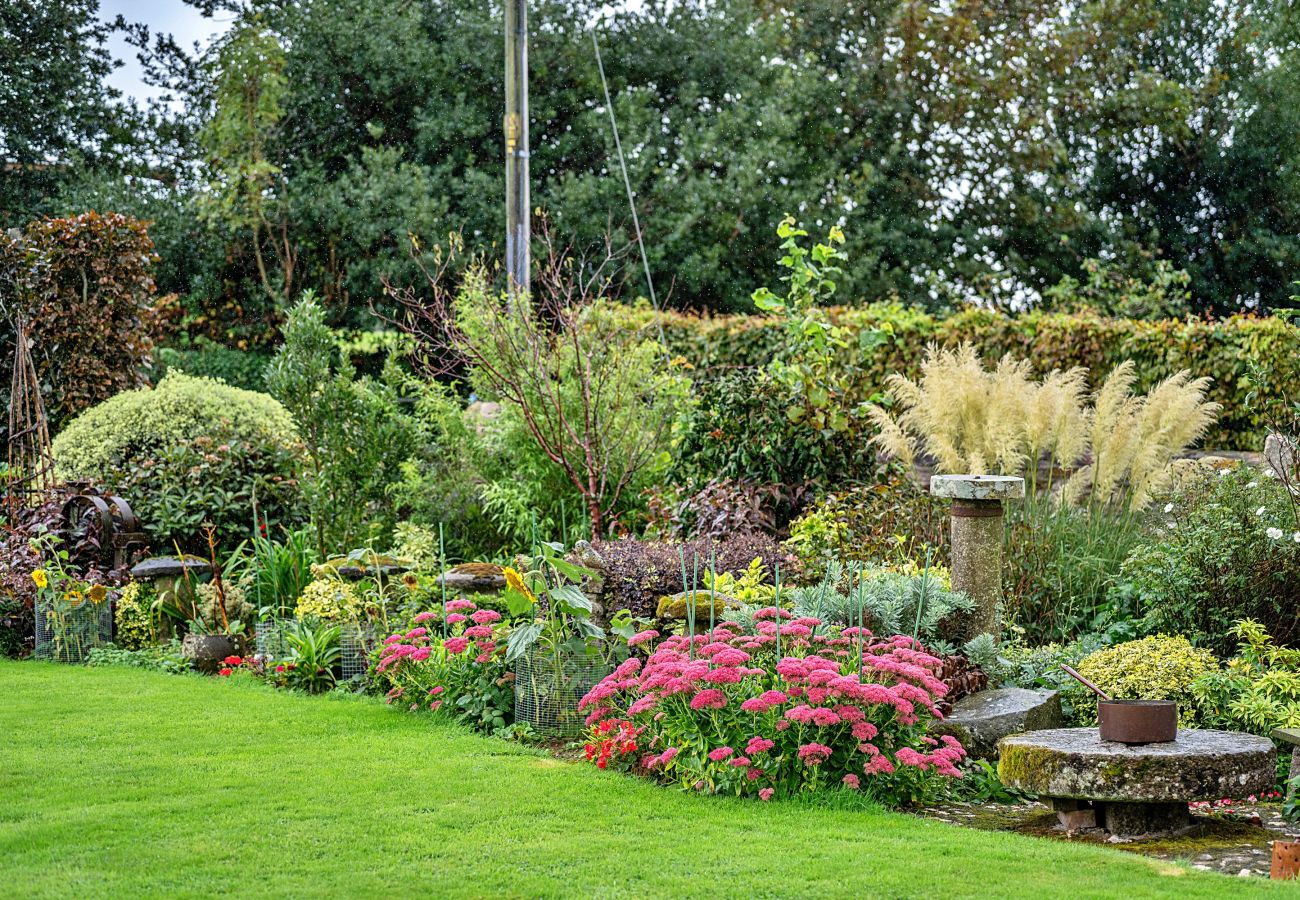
{"points": [[411, 580], [515, 582], [38, 576], [97, 594], [74, 598]]}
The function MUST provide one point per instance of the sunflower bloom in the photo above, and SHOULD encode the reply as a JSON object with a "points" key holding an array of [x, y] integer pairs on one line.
{"points": [[411, 580], [515, 582], [97, 594], [39, 576]]}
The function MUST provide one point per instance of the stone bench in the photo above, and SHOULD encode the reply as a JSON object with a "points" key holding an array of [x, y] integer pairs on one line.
{"points": [[1133, 790]]}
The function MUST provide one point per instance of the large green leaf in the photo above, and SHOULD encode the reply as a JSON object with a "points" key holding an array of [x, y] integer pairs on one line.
{"points": [[521, 639]]}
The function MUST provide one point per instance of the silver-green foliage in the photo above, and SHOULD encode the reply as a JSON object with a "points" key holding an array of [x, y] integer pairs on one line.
{"points": [[888, 602]]}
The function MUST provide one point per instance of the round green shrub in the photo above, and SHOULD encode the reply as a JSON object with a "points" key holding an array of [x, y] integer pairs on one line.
{"points": [[188, 452], [1158, 667]]}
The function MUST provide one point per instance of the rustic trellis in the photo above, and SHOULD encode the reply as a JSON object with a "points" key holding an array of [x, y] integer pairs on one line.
{"points": [[30, 477]]}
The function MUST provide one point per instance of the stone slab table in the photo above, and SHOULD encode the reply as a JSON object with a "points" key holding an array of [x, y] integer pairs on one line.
{"points": [[1133, 790]]}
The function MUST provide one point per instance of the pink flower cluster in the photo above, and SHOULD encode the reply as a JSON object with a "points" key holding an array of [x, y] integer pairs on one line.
{"points": [[834, 699]]}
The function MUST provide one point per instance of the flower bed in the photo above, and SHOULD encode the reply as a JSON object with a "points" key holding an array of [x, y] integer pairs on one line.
{"points": [[790, 709]]}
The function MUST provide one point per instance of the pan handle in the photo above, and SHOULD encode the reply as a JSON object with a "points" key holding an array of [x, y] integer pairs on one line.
{"points": [[1069, 670]]}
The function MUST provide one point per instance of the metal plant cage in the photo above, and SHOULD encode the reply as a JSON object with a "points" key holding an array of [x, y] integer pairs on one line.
{"points": [[548, 687], [68, 635], [356, 641]]}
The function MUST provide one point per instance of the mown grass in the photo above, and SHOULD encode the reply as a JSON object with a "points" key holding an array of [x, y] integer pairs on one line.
{"points": [[116, 782]]}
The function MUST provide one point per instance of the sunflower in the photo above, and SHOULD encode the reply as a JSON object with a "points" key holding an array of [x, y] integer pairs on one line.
{"points": [[38, 576], [515, 582], [97, 593], [74, 598], [411, 580]]}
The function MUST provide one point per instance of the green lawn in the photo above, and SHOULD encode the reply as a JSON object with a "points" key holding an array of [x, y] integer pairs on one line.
{"points": [[124, 783]]}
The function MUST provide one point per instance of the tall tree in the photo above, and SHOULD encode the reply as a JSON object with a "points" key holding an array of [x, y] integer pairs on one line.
{"points": [[57, 114]]}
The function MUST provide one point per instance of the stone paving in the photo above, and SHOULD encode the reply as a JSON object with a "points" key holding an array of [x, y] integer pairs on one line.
{"points": [[1234, 839]]}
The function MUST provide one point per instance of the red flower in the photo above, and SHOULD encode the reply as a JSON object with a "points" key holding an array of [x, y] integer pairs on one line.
{"points": [[233, 661], [225, 673], [279, 669]]}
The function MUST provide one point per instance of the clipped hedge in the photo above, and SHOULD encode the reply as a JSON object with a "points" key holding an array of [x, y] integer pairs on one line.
{"points": [[1219, 348]]}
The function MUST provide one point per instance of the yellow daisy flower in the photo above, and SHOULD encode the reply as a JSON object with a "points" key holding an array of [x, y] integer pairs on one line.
{"points": [[38, 576]]}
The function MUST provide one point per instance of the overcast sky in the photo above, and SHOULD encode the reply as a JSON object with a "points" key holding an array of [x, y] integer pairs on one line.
{"points": [[172, 16]]}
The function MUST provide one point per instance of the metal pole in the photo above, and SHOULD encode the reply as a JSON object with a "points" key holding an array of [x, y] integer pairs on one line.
{"points": [[518, 226]]}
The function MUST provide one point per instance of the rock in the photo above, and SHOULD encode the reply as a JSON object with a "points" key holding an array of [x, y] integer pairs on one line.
{"points": [[1290, 736], [981, 720], [1279, 456], [476, 578], [676, 606]]}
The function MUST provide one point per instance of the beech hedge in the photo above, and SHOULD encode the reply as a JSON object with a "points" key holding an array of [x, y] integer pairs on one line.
{"points": [[1220, 348]]}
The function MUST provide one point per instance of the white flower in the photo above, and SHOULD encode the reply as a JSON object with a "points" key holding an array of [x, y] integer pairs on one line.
{"points": [[1171, 524], [1253, 484], [1169, 507], [1223, 473], [1260, 511], [1296, 537], [1274, 534]]}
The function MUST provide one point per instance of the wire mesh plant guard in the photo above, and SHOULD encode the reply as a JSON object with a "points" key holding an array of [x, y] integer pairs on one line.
{"points": [[548, 686], [356, 641], [30, 477], [67, 631]]}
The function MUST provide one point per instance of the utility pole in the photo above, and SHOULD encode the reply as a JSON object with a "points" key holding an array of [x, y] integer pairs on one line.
{"points": [[518, 224]]}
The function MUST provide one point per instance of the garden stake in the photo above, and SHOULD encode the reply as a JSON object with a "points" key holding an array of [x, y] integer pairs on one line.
{"points": [[442, 564], [713, 587], [777, 601], [857, 592], [920, 602]]}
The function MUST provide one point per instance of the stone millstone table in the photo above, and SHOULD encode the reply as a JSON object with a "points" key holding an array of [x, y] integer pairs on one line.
{"points": [[1134, 789]]}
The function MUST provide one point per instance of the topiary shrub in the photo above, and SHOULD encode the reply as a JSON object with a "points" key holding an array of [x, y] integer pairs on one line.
{"points": [[1158, 667], [190, 451]]}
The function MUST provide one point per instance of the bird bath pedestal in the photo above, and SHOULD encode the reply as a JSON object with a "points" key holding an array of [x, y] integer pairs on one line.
{"points": [[977, 538]]}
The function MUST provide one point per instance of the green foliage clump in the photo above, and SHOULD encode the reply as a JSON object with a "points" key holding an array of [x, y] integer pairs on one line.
{"points": [[1258, 690], [890, 522], [188, 451], [1061, 570], [1157, 667], [133, 616], [1038, 666], [205, 358], [329, 600], [167, 658], [920, 603], [354, 431], [1222, 548]]}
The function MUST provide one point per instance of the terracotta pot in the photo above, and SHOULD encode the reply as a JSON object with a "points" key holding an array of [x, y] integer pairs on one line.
{"points": [[1286, 860]]}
